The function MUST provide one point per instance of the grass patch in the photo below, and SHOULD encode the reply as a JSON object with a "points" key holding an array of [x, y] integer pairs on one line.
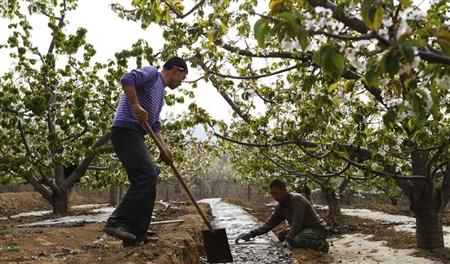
{"points": [[13, 246], [4, 232]]}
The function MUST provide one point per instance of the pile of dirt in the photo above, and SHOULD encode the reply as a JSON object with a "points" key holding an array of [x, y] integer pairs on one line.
{"points": [[15, 203], [171, 243]]}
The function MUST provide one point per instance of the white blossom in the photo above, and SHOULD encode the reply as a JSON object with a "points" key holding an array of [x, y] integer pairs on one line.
{"points": [[384, 33], [374, 166], [417, 14], [353, 59], [362, 44], [393, 102], [218, 22], [443, 82], [428, 99], [309, 24], [384, 81], [323, 12], [388, 22], [407, 112], [403, 28], [416, 61], [289, 44], [404, 68]]}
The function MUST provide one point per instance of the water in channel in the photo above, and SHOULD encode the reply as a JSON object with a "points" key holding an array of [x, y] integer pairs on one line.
{"points": [[235, 220]]}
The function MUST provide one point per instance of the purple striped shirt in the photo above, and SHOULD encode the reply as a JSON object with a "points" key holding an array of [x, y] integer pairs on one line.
{"points": [[149, 86]]}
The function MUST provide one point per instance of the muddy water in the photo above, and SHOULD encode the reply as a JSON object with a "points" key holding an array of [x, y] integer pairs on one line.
{"points": [[235, 220]]}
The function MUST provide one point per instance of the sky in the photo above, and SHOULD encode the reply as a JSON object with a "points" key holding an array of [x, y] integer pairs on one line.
{"points": [[108, 33]]}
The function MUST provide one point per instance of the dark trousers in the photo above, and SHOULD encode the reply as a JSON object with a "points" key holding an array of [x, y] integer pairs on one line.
{"points": [[135, 210]]}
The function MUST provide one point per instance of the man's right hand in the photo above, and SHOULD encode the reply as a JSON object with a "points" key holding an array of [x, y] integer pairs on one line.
{"points": [[140, 114], [245, 237]]}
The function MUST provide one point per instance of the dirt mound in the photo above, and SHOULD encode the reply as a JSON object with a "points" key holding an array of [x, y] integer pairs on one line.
{"points": [[15, 203], [171, 243]]}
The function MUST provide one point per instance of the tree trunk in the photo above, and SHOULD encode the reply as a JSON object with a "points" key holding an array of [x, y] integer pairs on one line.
{"points": [[60, 203], [429, 229], [394, 201], [121, 192], [427, 208], [114, 195], [334, 209], [305, 190]]}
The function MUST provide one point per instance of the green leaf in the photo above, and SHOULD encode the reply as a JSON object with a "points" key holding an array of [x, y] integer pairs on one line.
{"points": [[338, 60], [389, 118], [331, 59], [391, 62], [260, 29], [333, 87], [378, 18], [372, 75], [302, 37], [407, 52], [416, 42], [372, 13], [444, 41]]}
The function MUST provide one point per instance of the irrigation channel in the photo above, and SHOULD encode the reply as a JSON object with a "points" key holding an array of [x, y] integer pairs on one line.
{"points": [[235, 220]]}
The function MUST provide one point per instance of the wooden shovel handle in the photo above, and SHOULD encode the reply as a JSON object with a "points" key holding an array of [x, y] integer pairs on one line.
{"points": [[177, 174]]}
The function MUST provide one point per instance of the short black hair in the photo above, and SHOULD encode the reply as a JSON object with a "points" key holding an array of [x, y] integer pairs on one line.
{"points": [[278, 183], [175, 62]]}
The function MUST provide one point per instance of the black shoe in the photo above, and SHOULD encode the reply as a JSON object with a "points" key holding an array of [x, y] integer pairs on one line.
{"points": [[129, 243], [119, 232], [139, 241]]}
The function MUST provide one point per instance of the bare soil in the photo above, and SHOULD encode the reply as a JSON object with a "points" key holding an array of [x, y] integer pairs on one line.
{"points": [[171, 243]]}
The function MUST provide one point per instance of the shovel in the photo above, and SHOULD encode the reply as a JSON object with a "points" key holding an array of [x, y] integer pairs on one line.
{"points": [[215, 240]]}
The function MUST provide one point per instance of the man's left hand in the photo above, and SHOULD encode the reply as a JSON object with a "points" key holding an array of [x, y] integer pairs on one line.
{"points": [[287, 244], [166, 158]]}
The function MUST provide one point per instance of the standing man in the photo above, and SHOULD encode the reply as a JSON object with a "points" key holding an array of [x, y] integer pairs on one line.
{"points": [[307, 229], [141, 102]]}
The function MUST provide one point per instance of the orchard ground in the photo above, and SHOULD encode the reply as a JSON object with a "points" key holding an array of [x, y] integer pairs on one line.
{"points": [[355, 239]]}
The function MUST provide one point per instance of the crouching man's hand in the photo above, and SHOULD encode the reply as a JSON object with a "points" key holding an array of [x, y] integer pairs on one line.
{"points": [[245, 237], [287, 244]]}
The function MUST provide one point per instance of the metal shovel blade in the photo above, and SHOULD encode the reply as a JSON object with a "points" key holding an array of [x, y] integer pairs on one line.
{"points": [[216, 246]]}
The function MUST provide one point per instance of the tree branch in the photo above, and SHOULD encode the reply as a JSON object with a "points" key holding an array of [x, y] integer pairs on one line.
{"points": [[252, 77], [72, 138], [45, 179], [81, 169], [433, 159], [178, 14], [445, 188], [278, 144], [292, 172], [35, 183], [321, 156], [334, 174], [344, 37], [284, 55], [196, 80]]}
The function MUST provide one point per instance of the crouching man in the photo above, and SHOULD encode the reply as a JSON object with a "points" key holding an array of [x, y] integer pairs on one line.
{"points": [[307, 229]]}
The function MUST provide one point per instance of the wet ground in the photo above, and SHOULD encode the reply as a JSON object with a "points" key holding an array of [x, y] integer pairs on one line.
{"points": [[235, 220]]}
